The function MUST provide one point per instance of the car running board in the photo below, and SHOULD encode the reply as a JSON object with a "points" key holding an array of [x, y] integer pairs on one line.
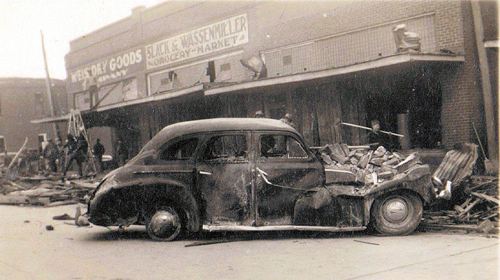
{"points": [[212, 228]]}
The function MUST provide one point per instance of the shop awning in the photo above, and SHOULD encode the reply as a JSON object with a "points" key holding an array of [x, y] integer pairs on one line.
{"points": [[157, 97], [373, 64], [163, 96], [63, 118]]}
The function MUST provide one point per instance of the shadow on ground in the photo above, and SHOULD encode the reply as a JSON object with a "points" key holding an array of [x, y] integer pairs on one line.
{"points": [[139, 233]]}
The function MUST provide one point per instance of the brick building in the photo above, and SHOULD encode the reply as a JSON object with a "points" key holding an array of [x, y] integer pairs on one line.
{"points": [[325, 63], [23, 100]]}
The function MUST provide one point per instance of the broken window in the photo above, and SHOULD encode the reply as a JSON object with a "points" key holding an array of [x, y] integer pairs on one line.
{"points": [[231, 147], [180, 150], [281, 146]]}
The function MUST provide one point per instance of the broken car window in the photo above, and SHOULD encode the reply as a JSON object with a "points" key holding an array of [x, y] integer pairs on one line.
{"points": [[281, 146], [231, 147], [180, 150]]}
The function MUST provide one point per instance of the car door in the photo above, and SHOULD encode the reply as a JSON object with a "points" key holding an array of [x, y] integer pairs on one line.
{"points": [[284, 168], [224, 179]]}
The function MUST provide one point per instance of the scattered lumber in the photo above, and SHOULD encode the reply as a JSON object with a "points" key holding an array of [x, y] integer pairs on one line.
{"points": [[477, 211], [44, 191]]}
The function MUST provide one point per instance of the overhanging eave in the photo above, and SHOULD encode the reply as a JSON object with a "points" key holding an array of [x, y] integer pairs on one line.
{"points": [[374, 64]]}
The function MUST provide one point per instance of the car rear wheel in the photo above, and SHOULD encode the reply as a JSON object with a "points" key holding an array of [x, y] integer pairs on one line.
{"points": [[164, 225], [397, 213]]}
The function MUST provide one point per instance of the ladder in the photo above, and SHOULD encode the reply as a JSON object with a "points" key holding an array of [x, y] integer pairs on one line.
{"points": [[77, 127]]}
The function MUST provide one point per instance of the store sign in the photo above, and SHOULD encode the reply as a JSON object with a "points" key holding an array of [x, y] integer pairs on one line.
{"points": [[221, 35], [106, 70]]}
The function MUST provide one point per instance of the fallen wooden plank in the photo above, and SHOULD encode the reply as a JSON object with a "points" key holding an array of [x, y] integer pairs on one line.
{"points": [[451, 227], [18, 153], [59, 203], [86, 185], [468, 208], [485, 197], [209, 242], [13, 199], [366, 242]]}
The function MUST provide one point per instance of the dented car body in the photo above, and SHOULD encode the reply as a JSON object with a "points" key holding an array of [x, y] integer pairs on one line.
{"points": [[248, 175]]}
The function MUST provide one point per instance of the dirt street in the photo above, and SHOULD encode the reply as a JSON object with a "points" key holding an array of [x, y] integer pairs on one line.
{"points": [[29, 251]]}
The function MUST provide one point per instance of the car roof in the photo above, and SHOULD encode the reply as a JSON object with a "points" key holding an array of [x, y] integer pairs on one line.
{"points": [[213, 125]]}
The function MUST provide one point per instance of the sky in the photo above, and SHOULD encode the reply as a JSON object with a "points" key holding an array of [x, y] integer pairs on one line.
{"points": [[61, 21]]}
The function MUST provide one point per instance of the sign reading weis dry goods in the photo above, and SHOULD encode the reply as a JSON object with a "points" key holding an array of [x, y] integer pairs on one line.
{"points": [[218, 36], [106, 70]]}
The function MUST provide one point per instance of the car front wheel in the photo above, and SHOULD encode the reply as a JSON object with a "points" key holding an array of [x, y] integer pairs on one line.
{"points": [[397, 213], [164, 225]]}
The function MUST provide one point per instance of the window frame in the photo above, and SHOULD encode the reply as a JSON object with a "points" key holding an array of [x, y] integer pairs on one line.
{"points": [[260, 158], [209, 136], [166, 145]]}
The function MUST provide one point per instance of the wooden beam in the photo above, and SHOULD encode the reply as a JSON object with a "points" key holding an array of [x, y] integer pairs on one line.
{"points": [[485, 80]]}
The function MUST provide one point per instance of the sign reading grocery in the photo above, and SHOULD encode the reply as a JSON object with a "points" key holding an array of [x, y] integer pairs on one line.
{"points": [[106, 70], [218, 36]]}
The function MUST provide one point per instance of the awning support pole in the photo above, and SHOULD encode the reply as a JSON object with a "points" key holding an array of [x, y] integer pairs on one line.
{"points": [[485, 80]]}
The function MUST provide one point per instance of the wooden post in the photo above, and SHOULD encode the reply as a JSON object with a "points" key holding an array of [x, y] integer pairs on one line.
{"points": [[403, 129], [485, 80]]}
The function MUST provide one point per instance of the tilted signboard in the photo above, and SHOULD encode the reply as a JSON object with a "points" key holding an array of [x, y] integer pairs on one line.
{"points": [[208, 39], [106, 70]]}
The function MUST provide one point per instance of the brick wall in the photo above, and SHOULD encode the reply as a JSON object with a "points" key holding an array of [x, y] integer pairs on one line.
{"points": [[461, 90]]}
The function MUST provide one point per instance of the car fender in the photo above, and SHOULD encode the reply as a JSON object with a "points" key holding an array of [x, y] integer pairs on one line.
{"points": [[146, 193], [416, 180]]}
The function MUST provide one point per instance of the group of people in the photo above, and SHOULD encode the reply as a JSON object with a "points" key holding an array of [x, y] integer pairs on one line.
{"points": [[60, 157]]}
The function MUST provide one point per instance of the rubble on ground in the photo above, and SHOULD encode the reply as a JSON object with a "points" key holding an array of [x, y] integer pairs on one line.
{"points": [[348, 164], [45, 191], [476, 210]]}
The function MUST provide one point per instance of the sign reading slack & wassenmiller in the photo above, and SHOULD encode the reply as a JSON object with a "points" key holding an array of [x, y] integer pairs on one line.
{"points": [[218, 36]]}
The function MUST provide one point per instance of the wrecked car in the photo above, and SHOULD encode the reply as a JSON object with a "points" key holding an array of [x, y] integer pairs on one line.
{"points": [[248, 175]]}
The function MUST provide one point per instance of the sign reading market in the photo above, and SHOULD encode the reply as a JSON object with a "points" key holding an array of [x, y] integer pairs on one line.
{"points": [[218, 36]]}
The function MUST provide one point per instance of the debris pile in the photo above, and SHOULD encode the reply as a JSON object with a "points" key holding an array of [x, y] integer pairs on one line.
{"points": [[44, 191], [477, 208], [345, 163]]}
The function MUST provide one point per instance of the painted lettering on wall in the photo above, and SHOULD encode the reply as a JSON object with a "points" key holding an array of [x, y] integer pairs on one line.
{"points": [[106, 70], [218, 36]]}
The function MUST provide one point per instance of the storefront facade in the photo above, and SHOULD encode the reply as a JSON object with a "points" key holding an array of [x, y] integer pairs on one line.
{"points": [[333, 62]]}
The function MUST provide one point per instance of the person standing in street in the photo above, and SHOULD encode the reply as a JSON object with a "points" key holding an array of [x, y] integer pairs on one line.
{"points": [[98, 151], [122, 152], [51, 153], [61, 157], [77, 151]]}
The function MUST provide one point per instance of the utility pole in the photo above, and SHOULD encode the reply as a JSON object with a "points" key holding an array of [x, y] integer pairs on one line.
{"points": [[48, 86]]}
